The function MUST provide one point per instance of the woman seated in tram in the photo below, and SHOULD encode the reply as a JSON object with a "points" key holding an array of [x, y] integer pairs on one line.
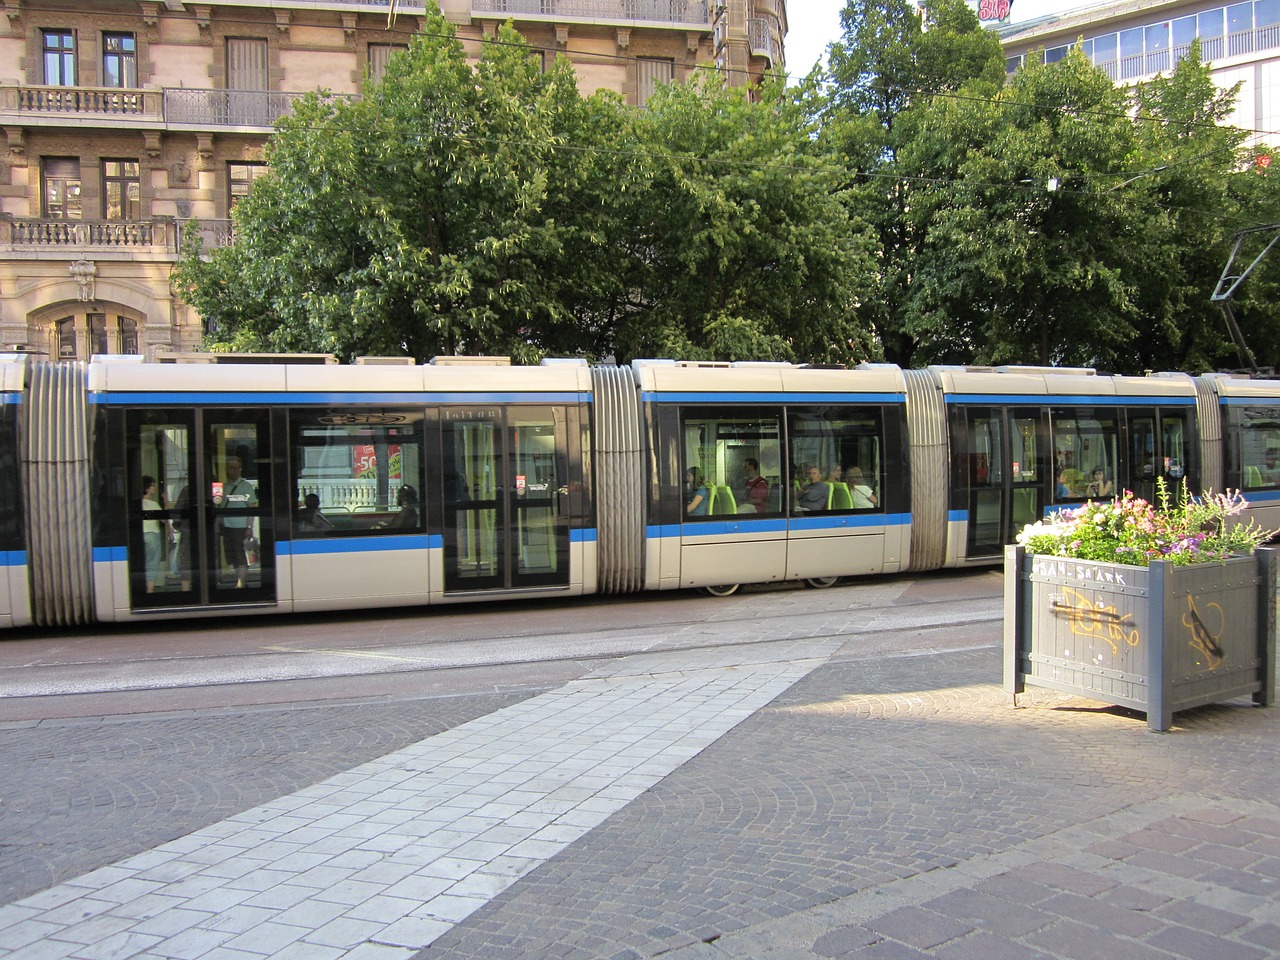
{"points": [[696, 494], [1099, 485]]}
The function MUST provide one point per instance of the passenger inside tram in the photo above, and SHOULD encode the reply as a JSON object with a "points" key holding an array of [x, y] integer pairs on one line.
{"points": [[864, 497], [695, 493], [1099, 485], [815, 495], [756, 490], [309, 519]]}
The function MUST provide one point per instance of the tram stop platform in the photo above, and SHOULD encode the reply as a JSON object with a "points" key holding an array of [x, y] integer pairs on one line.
{"points": [[790, 774]]}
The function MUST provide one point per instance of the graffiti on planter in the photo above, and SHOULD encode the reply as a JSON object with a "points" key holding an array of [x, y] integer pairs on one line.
{"points": [[1095, 620], [1202, 638]]}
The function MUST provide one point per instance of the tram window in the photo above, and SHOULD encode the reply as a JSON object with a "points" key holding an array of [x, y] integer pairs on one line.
{"points": [[1258, 431], [163, 455], [732, 463], [357, 472], [841, 447], [1084, 440], [1176, 449]]}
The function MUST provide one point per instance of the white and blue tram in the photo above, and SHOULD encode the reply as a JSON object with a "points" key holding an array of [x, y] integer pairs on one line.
{"points": [[468, 479]]}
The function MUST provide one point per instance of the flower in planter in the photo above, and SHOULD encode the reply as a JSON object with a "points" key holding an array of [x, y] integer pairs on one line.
{"points": [[1130, 530]]}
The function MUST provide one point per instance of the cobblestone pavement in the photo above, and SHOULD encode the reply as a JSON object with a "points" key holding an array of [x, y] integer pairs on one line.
{"points": [[855, 784]]}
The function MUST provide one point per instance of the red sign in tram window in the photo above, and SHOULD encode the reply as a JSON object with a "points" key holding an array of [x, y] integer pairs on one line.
{"points": [[365, 461]]}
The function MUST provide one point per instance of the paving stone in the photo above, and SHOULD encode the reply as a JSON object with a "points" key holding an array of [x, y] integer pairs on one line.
{"points": [[985, 946], [1195, 944], [1078, 941], [843, 940], [1202, 917], [919, 928], [995, 915], [882, 806]]}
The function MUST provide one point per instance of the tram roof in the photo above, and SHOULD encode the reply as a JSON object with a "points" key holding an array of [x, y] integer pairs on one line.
{"points": [[1049, 381], [665, 376], [486, 382]]}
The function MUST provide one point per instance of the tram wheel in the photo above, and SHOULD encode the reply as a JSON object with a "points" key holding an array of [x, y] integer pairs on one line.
{"points": [[723, 590], [821, 583]]}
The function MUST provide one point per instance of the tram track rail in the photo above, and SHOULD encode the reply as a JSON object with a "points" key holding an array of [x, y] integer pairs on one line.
{"points": [[282, 656]]}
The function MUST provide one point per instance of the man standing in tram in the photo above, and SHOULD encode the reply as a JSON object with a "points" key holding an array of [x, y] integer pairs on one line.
{"points": [[235, 524]]}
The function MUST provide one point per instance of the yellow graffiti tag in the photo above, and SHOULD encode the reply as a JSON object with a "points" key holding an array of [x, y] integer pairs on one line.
{"points": [[1095, 620], [1202, 639]]}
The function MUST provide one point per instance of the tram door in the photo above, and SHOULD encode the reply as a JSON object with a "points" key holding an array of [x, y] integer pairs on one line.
{"points": [[505, 491], [200, 530], [1160, 446], [1002, 463]]}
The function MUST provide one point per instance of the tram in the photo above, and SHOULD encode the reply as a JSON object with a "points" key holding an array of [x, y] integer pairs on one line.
{"points": [[133, 490]]}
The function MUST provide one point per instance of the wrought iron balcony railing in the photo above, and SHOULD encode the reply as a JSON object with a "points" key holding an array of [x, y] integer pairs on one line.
{"points": [[762, 41], [233, 108], [660, 11], [214, 233]]}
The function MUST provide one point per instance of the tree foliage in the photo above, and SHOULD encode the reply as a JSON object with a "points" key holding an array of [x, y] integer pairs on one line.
{"points": [[1051, 217], [494, 209]]}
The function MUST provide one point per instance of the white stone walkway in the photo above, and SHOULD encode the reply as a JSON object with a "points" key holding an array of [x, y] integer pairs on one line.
{"points": [[378, 862]]}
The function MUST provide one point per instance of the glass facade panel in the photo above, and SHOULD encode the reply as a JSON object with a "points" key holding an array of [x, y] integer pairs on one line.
{"points": [[1106, 48], [1131, 42], [1239, 17]]}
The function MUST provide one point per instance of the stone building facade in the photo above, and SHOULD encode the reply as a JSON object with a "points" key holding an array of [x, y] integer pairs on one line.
{"points": [[125, 122]]}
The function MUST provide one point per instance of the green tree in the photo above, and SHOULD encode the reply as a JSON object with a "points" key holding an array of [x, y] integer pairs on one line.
{"points": [[1024, 257], [736, 240], [885, 66], [431, 216], [496, 210], [1196, 170]]}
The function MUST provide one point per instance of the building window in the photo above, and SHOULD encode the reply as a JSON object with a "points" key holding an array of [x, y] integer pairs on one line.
{"points": [[128, 335], [98, 334], [59, 58], [65, 332], [103, 334], [119, 60], [60, 178], [121, 190], [240, 177], [650, 73], [379, 55]]}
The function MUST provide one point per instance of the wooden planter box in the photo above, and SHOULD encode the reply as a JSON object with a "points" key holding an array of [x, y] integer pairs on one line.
{"points": [[1157, 639]]}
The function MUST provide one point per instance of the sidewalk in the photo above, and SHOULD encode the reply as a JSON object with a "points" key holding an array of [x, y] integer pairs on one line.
{"points": [[810, 796]]}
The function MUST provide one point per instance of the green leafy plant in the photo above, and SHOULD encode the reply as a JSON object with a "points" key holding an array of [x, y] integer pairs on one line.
{"points": [[1131, 530]]}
